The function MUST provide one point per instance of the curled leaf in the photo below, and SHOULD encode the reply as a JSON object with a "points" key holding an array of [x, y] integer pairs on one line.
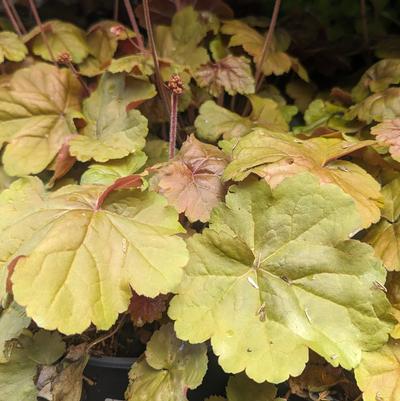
{"points": [[275, 156], [388, 133]]}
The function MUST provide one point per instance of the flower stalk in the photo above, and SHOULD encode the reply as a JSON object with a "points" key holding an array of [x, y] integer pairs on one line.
{"points": [[175, 85], [134, 24]]}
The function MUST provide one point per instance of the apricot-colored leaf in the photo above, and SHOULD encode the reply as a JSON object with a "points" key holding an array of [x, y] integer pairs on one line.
{"points": [[275, 156], [192, 180], [378, 375], [388, 133], [230, 74]]}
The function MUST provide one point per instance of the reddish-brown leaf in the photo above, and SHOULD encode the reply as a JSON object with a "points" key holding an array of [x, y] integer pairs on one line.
{"points": [[63, 163], [192, 181], [146, 310]]}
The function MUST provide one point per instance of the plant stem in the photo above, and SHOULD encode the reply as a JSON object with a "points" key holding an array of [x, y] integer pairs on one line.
{"points": [[178, 4], [11, 17], [134, 24], [173, 125], [116, 10], [107, 335], [363, 9], [17, 17], [79, 78], [36, 16], [159, 81], [267, 44]]}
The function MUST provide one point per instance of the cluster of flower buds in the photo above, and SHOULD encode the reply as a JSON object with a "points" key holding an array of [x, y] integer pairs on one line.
{"points": [[64, 58], [175, 84], [117, 30]]}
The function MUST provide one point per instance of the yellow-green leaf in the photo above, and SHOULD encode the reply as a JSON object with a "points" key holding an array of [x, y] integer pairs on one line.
{"points": [[170, 367], [112, 132], [275, 274], [275, 156], [378, 375], [11, 47], [87, 257], [62, 37], [36, 110]]}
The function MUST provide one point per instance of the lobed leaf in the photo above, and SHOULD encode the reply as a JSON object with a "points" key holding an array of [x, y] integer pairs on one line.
{"points": [[170, 367], [85, 254], [275, 274], [33, 124]]}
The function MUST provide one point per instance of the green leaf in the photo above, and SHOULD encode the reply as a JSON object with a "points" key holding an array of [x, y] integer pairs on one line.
{"points": [[379, 372], [241, 388], [34, 124], [103, 43], [11, 47], [5, 180], [111, 132], [276, 274], [170, 367], [377, 78], [380, 106], [274, 156], [391, 196], [135, 64], [16, 378], [156, 151], [230, 74], [215, 121], [62, 37], [87, 257], [44, 347], [107, 173], [180, 42], [13, 321], [277, 63], [192, 180]]}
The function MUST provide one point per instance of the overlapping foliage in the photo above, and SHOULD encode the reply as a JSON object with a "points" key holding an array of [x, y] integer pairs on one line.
{"points": [[268, 235]]}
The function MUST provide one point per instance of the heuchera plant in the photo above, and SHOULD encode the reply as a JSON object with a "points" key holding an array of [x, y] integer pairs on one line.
{"points": [[183, 176]]}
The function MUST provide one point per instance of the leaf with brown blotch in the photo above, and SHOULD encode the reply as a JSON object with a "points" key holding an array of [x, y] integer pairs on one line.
{"points": [[388, 133], [276, 156], [146, 310], [192, 181], [231, 74]]}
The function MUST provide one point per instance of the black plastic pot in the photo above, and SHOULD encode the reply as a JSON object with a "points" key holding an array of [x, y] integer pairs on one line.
{"points": [[110, 377]]}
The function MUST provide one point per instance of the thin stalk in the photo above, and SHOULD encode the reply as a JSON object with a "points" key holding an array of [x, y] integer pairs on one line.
{"points": [[178, 4], [79, 78], [38, 21], [173, 125], [159, 81], [17, 17], [107, 335], [267, 44], [134, 24], [11, 17], [116, 10], [363, 9]]}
